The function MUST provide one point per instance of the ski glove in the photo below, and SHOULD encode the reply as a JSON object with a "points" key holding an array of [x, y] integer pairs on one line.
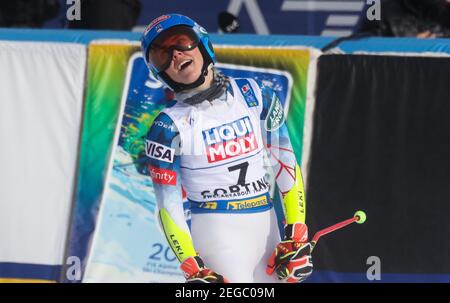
{"points": [[195, 272], [291, 259]]}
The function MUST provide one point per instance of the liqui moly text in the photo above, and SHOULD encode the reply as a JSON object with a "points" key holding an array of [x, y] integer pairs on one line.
{"points": [[230, 140]]}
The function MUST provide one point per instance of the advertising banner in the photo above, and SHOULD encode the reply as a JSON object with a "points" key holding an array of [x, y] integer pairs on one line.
{"points": [[128, 245], [41, 100], [381, 144]]}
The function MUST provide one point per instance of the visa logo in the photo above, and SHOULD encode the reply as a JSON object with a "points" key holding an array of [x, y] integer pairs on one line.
{"points": [[158, 151]]}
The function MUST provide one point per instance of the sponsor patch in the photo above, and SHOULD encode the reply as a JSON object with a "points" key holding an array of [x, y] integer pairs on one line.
{"points": [[247, 92], [155, 22], [160, 123], [163, 176], [230, 140], [208, 205], [158, 151], [250, 204], [246, 204], [275, 116]]}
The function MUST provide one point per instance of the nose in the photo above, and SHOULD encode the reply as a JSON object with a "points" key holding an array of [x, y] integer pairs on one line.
{"points": [[176, 54]]}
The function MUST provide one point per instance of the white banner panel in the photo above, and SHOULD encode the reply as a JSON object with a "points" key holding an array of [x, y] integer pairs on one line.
{"points": [[41, 100]]}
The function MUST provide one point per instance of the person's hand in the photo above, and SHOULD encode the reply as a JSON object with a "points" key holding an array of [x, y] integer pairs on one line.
{"points": [[291, 259], [195, 272]]}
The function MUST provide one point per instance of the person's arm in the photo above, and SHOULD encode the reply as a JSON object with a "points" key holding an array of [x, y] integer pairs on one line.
{"points": [[162, 150], [291, 259], [288, 175]]}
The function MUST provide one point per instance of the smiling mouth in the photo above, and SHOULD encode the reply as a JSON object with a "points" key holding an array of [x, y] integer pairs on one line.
{"points": [[184, 64]]}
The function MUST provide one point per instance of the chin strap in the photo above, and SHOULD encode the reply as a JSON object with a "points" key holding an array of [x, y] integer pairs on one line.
{"points": [[217, 89]]}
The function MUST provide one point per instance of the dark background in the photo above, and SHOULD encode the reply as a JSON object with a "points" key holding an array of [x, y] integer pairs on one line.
{"points": [[206, 13], [381, 143]]}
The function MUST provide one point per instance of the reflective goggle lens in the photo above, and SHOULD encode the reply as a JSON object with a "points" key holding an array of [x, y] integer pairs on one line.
{"points": [[161, 50]]}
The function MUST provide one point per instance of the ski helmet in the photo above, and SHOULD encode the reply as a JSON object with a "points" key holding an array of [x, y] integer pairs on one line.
{"points": [[165, 25]]}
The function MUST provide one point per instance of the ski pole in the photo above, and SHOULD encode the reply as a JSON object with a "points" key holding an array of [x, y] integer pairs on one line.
{"points": [[359, 217]]}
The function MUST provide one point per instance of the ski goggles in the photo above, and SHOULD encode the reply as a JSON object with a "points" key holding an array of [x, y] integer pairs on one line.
{"points": [[180, 38]]}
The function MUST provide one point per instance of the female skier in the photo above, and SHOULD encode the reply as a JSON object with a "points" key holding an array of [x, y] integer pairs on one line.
{"points": [[211, 144]]}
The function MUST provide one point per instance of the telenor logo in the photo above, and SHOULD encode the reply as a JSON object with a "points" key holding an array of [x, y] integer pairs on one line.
{"points": [[158, 151], [230, 140]]}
